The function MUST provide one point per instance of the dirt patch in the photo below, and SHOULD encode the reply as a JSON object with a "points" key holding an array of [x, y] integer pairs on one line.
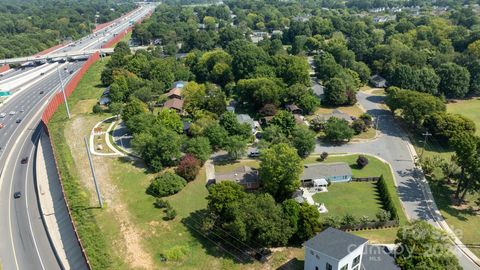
{"points": [[135, 254], [85, 106]]}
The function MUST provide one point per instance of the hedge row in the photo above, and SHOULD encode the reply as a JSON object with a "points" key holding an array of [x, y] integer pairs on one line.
{"points": [[386, 198]]}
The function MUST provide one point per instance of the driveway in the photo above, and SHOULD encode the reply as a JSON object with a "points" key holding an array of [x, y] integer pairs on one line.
{"points": [[393, 146]]}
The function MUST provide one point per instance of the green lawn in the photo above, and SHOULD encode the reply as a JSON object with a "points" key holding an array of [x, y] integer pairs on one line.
{"points": [[355, 198], [360, 199], [232, 166], [469, 108]]}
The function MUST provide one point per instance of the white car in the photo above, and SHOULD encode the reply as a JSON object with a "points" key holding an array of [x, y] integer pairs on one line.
{"points": [[2, 115], [12, 113]]}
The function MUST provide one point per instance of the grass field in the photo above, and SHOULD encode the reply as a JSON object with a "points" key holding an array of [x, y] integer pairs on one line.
{"points": [[355, 198], [350, 110], [469, 108]]}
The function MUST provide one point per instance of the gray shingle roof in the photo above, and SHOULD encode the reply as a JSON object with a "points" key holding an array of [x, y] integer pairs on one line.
{"points": [[376, 258], [334, 243], [324, 170]]}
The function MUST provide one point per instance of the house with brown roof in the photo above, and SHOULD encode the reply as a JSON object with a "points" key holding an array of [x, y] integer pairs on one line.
{"points": [[294, 109], [174, 93], [244, 175], [175, 104]]}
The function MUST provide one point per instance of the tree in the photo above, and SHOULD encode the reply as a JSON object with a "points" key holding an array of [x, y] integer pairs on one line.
{"points": [[222, 195], [204, 97], [217, 135], [268, 110], [335, 92], [415, 106], [303, 139], [367, 119], [358, 126], [454, 80], [166, 184], [445, 125], [424, 247], [246, 58], [285, 121], [258, 92], [132, 108], [280, 170], [199, 147], [292, 69], [362, 161], [467, 151], [326, 67], [337, 130], [188, 167], [235, 146], [230, 122], [308, 222], [171, 120]]}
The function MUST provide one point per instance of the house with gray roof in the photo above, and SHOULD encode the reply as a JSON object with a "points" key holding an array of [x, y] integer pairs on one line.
{"points": [[378, 81], [333, 172], [244, 175], [333, 249], [246, 119]]}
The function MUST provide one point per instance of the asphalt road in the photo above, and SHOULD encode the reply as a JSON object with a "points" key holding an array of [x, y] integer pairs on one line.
{"points": [[23, 237], [392, 146]]}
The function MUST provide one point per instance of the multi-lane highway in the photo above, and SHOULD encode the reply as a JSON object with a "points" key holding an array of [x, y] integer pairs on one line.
{"points": [[23, 237]]}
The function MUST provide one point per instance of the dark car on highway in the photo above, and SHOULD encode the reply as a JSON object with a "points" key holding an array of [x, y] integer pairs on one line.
{"points": [[17, 195], [18, 121], [24, 160], [41, 92]]}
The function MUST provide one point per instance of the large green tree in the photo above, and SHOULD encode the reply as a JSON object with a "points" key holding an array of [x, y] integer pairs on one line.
{"points": [[280, 170], [454, 80]]}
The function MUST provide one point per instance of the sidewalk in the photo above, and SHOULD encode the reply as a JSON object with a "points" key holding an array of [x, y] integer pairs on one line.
{"points": [[54, 209]]}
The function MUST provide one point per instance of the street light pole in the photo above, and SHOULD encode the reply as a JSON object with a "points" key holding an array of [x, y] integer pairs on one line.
{"points": [[426, 134], [97, 189], [63, 91]]}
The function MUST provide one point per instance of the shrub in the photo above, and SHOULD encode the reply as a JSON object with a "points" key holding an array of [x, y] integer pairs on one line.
{"points": [[359, 126], [159, 203], [170, 213], [97, 109], [332, 221], [176, 253], [317, 123], [383, 215], [188, 167], [367, 119], [268, 110], [386, 199], [323, 156], [364, 220], [362, 161], [349, 220], [166, 184]]}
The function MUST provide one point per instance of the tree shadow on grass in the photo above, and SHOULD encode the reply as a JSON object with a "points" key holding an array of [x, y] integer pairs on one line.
{"points": [[442, 194], [136, 162], [292, 264], [216, 242]]}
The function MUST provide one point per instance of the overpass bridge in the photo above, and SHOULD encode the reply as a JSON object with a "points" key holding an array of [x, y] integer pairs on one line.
{"points": [[69, 54]]}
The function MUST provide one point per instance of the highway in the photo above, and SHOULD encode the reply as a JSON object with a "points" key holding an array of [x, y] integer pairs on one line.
{"points": [[23, 237]]}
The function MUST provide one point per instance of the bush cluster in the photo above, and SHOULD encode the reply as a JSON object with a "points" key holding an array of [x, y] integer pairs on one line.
{"points": [[386, 198], [166, 184]]}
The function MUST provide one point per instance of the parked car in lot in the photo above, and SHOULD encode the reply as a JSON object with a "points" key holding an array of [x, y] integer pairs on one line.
{"points": [[2, 115], [254, 154]]}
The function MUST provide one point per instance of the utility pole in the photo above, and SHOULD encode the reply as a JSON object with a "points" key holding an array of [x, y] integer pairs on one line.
{"points": [[63, 91], [426, 134], [93, 173]]}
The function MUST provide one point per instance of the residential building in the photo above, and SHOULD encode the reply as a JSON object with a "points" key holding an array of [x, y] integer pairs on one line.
{"points": [[294, 109], [378, 81], [246, 119], [337, 114], [174, 93], [333, 172], [333, 249], [244, 175], [175, 104]]}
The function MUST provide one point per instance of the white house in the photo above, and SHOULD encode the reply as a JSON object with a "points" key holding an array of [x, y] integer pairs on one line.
{"points": [[333, 249]]}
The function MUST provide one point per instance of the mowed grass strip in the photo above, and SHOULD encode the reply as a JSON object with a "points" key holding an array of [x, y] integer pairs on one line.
{"points": [[83, 213]]}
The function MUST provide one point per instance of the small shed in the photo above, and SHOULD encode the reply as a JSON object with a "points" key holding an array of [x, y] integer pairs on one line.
{"points": [[378, 81], [293, 109]]}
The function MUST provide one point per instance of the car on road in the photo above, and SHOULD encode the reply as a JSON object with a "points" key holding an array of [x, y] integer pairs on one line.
{"points": [[22, 110], [2, 125], [18, 121], [12, 113], [17, 195], [24, 160], [254, 154], [41, 92], [2, 115], [43, 73]]}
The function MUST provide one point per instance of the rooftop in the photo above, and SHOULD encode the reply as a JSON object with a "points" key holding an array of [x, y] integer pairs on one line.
{"points": [[375, 257], [334, 243], [175, 91], [245, 118], [243, 174], [325, 170], [174, 103]]}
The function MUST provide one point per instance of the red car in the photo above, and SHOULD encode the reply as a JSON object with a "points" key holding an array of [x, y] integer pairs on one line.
{"points": [[2, 125]]}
